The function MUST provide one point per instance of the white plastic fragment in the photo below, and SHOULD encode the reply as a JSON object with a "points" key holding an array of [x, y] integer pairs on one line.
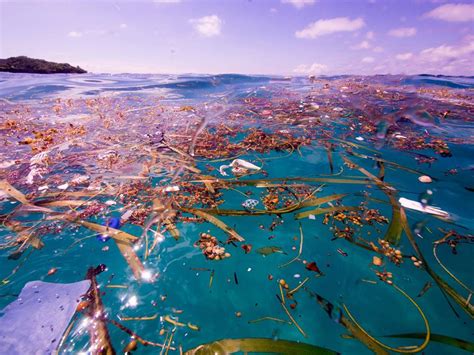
{"points": [[238, 166], [110, 202], [417, 206], [43, 188], [425, 179], [173, 188], [63, 186], [79, 179], [360, 138], [312, 216], [125, 217], [7, 164], [399, 136]]}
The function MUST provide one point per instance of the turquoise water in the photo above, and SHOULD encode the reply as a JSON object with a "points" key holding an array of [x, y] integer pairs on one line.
{"points": [[330, 107]]}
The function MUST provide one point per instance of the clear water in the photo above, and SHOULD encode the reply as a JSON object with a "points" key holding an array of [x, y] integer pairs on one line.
{"points": [[378, 307]]}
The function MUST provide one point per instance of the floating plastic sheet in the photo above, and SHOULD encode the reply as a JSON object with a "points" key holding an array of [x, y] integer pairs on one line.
{"points": [[36, 320], [417, 206]]}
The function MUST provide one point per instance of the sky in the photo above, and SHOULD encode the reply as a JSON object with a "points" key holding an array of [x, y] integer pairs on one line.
{"points": [[284, 37]]}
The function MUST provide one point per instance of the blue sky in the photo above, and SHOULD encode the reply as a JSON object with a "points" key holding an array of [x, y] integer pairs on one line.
{"points": [[287, 37]]}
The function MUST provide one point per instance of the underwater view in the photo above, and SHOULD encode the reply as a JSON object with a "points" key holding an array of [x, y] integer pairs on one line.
{"points": [[334, 212], [236, 177]]}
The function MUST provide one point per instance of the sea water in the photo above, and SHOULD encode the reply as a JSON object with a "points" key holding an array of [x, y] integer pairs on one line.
{"points": [[183, 287]]}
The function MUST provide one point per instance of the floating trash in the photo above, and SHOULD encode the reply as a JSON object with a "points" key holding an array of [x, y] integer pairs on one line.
{"points": [[239, 167], [425, 179], [417, 206], [112, 222], [250, 204]]}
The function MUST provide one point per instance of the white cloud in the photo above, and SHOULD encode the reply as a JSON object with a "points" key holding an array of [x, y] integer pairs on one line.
{"points": [[368, 60], [404, 56], [328, 26], [123, 26], [370, 35], [403, 32], [75, 34], [362, 45], [378, 49], [299, 4], [208, 26], [448, 53], [314, 69], [167, 1], [453, 13]]}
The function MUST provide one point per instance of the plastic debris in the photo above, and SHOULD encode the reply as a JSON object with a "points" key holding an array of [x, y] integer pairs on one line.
{"points": [[36, 320], [239, 166], [113, 222], [425, 179], [250, 204], [417, 206]]}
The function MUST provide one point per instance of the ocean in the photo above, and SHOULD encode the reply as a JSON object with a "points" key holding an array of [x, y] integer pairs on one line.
{"points": [[346, 203]]}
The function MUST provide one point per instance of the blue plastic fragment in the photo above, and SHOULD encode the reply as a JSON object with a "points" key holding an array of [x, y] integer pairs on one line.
{"points": [[112, 222], [35, 322]]}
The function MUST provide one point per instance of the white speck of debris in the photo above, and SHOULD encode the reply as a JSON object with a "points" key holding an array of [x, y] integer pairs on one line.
{"points": [[425, 179], [296, 276], [171, 188], [43, 188], [312, 216], [7, 164], [249, 269], [359, 138], [63, 186], [110, 202]]}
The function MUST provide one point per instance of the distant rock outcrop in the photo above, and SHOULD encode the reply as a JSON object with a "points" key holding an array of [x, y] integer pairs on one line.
{"points": [[24, 64]]}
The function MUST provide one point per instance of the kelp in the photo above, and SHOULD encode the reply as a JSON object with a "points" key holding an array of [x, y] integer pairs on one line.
{"points": [[329, 150], [444, 286], [26, 237], [12, 192], [336, 314], [99, 334], [215, 221], [460, 283], [283, 181], [269, 250], [121, 238], [394, 230], [439, 338], [258, 345], [300, 250], [319, 211], [131, 258], [292, 319], [312, 201], [391, 163], [402, 350], [278, 320], [136, 336], [116, 234]]}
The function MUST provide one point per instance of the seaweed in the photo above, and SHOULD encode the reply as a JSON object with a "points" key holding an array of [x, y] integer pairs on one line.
{"points": [[262, 345]]}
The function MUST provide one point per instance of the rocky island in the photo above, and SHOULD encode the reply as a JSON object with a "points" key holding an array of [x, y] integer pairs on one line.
{"points": [[23, 64]]}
